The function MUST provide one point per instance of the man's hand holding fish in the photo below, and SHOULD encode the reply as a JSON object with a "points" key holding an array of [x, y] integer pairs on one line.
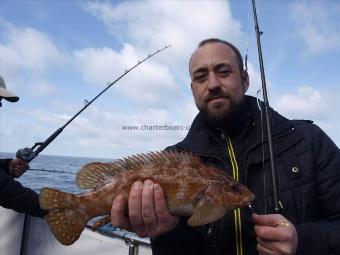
{"points": [[148, 212]]}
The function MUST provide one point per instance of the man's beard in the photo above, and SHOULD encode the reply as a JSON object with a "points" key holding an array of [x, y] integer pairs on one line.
{"points": [[223, 117]]}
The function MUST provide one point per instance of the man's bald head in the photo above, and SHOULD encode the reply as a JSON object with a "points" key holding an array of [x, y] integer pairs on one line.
{"points": [[216, 40]]}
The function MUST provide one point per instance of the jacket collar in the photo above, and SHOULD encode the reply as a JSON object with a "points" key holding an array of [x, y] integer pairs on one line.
{"points": [[201, 139]]}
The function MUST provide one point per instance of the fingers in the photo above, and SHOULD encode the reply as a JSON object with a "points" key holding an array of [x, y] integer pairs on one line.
{"points": [[266, 220], [161, 208], [266, 246], [263, 250], [269, 233], [268, 227], [17, 167], [18, 172], [166, 221], [118, 219], [148, 207], [148, 211], [142, 208], [135, 208], [275, 234]]}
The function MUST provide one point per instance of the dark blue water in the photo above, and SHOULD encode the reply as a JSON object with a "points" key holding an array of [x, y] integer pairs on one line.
{"points": [[64, 180]]}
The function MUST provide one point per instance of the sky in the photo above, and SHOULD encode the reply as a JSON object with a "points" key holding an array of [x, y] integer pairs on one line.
{"points": [[55, 55]]}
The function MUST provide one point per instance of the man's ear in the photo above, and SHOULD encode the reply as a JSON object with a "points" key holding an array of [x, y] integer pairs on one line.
{"points": [[245, 80]]}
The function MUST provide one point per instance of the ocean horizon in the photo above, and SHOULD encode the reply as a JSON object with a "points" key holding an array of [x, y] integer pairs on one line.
{"points": [[53, 171]]}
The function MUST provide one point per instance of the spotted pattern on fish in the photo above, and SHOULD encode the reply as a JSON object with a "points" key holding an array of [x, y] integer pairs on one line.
{"points": [[191, 189]]}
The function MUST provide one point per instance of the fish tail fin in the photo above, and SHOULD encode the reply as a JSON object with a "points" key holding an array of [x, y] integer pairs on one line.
{"points": [[64, 217], [52, 198], [66, 224]]}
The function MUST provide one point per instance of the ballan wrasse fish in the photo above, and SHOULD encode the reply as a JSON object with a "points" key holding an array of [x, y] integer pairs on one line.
{"points": [[191, 189]]}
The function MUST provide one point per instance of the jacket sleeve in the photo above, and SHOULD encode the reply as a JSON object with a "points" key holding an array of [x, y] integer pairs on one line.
{"points": [[183, 240], [323, 236], [15, 196], [4, 164]]}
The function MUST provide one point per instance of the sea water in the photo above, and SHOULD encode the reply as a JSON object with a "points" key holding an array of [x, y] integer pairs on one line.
{"points": [[53, 171]]}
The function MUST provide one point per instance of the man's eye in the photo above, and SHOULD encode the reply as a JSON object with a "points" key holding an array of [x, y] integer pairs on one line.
{"points": [[224, 72], [199, 77]]}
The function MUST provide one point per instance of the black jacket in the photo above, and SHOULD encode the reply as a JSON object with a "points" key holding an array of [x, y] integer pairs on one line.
{"points": [[15, 196], [308, 165]]}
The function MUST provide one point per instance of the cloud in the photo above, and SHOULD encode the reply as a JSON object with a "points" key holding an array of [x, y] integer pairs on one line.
{"points": [[29, 49], [312, 104], [159, 87], [316, 25], [143, 27], [149, 25], [148, 84], [30, 53], [103, 131], [308, 103]]}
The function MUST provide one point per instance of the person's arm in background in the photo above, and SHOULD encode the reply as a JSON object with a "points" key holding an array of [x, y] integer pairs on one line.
{"points": [[14, 167], [4, 164], [15, 196]]}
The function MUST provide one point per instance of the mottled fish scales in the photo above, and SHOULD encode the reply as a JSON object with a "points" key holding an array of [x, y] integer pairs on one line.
{"points": [[191, 189]]}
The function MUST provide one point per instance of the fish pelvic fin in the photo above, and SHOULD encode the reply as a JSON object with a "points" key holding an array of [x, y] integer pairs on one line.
{"points": [[66, 224], [206, 212], [52, 198], [103, 221]]}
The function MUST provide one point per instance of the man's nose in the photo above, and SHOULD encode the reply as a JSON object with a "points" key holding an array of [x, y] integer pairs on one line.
{"points": [[213, 82]]}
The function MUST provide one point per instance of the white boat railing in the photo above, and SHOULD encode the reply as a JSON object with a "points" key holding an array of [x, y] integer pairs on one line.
{"points": [[40, 240]]}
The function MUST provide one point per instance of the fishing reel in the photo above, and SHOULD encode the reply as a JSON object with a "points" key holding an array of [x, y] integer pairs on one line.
{"points": [[27, 154]]}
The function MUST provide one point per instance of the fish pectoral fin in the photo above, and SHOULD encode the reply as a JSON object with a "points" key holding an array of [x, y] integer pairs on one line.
{"points": [[206, 212], [101, 222], [66, 224]]}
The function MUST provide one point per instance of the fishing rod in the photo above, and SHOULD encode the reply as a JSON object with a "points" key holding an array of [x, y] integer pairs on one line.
{"points": [[276, 200], [28, 154]]}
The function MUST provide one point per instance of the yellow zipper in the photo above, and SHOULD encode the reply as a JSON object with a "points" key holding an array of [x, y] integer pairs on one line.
{"points": [[237, 212]]}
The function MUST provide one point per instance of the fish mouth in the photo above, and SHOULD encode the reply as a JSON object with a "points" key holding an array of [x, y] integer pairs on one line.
{"points": [[248, 199]]}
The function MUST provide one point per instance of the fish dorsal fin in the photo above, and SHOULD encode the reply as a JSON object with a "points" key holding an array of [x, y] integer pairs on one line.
{"points": [[93, 174], [164, 157], [206, 212]]}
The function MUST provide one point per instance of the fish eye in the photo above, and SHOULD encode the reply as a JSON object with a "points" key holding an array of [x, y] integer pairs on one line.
{"points": [[236, 188]]}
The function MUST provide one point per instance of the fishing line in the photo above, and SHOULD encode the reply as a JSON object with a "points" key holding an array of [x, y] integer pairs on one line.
{"points": [[50, 170]]}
